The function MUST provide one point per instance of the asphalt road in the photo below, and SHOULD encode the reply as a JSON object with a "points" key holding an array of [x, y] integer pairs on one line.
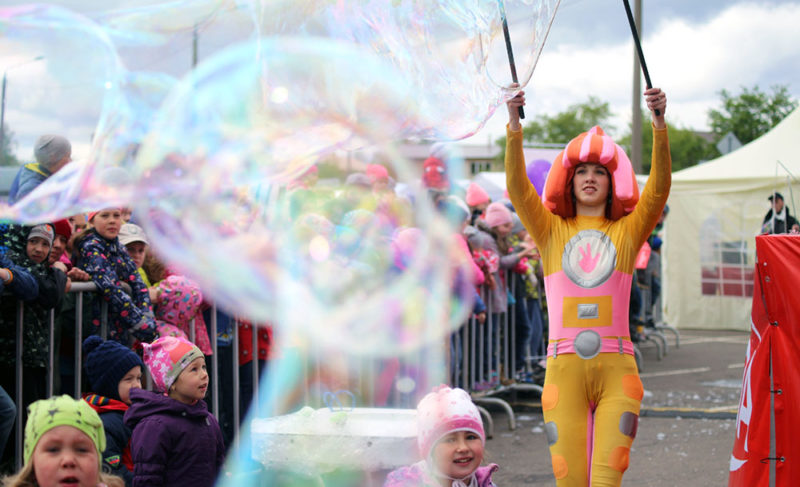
{"points": [[686, 430]]}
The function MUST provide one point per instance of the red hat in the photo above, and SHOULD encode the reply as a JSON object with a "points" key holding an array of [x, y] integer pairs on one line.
{"points": [[596, 147], [434, 174], [63, 227], [377, 172]]}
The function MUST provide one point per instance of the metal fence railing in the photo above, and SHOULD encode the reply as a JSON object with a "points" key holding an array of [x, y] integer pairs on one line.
{"points": [[480, 358]]}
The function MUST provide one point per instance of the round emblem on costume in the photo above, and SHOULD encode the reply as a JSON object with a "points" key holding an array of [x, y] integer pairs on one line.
{"points": [[589, 258], [587, 344]]}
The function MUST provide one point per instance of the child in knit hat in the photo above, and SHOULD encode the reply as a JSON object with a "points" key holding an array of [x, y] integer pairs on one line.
{"points": [[176, 440], [451, 442], [63, 441], [113, 370]]}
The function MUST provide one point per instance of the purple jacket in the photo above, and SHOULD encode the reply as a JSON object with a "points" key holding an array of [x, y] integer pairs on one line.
{"points": [[419, 475], [173, 444]]}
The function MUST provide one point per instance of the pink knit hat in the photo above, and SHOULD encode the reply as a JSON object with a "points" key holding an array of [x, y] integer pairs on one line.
{"points": [[476, 195], [167, 357], [497, 214], [443, 411], [377, 172]]}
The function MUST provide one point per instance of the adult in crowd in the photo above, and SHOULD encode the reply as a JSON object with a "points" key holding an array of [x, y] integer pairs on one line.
{"points": [[778, 219], [52, 152]]}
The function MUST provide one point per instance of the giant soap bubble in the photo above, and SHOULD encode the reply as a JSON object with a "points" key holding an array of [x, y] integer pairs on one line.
{"points": [[229, 171], [71, 92], [451, 50]]}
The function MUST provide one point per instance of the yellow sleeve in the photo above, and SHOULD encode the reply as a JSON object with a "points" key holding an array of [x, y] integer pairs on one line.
{"points": [[536, 218], [645, 216]]}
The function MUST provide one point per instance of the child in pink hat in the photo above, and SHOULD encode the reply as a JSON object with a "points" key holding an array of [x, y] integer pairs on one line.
{"points": [[176, 440], [451, 442]]}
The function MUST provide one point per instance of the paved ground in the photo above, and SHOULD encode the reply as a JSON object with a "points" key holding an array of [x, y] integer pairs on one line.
{"points": [[687, 428]]}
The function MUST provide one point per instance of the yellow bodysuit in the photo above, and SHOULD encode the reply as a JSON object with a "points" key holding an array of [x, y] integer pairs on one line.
{"points": [[592, 392]]}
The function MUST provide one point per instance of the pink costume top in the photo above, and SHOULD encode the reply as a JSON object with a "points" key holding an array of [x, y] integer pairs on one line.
{"points": [[588, 261]]}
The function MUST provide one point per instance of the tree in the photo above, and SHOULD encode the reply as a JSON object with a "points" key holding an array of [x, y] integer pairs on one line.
{"points": [[751, 113], [686, 147], [7, 157], [564, 126]]}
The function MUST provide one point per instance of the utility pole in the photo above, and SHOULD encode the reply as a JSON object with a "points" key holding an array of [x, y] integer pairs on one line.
{"points": [[636, 119], [2, 120], [194, 46]]}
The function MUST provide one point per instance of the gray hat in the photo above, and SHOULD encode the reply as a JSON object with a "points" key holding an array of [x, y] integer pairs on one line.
{"points": [[45, 231], [49, 149], [516, 224], [129, 233]]}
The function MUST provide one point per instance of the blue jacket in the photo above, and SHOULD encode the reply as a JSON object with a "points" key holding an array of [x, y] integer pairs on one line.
{"points": [[173, 444], [23, 285], [28, 177], [117, 455], [109, 265]]}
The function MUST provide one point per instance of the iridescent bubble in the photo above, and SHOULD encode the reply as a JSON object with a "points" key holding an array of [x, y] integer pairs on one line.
{"points": [[74, 95], [230, 171], [452, 50], [154, 22]]}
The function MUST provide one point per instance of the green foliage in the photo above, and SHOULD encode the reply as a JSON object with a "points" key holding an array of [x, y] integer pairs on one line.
{"points": [[564, 126], [751, 113], [7, 157], [687, 148]]}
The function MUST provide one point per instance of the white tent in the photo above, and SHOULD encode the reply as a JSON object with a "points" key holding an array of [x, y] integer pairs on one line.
{"points": [[716, 210]]}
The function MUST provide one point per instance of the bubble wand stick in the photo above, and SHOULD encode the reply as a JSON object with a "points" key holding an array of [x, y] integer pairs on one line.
{"points": [[508, 49], [639, 48]]}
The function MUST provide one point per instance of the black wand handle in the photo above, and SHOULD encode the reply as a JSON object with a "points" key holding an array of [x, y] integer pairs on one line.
{"points": [[510, 52], [639, 51]]}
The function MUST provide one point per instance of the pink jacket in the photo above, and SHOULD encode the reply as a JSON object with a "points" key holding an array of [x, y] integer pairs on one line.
{"points": [[418, 475], [477, 273]]}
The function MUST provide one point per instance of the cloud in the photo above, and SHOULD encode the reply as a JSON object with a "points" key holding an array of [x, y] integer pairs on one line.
{"points": [[744, 45]]}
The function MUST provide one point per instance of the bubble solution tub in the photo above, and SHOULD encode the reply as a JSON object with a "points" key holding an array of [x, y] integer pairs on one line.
{"points": [[322, 440]]}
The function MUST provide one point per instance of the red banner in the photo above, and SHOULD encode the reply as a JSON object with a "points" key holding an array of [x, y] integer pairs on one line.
{"points": [[774, 343]]}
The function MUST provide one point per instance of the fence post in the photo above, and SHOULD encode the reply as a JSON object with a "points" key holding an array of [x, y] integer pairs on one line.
{"points": [[256, 355], [51, 354], [236, 385], [78, 336], [18, 385], [214, 364]]}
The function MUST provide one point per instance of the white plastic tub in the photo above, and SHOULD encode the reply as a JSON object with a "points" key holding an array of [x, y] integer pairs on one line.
{"points": [[321, 440]]}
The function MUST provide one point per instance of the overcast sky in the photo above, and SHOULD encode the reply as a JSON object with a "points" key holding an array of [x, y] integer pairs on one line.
{"points": [[693, 49]]}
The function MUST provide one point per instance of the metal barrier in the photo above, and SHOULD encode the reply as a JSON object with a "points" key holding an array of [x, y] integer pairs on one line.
{"points": [[80, 289], [476, 350]]}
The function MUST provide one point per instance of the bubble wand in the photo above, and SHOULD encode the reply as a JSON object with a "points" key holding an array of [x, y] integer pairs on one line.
{"points": [[639, 48], [508, 49]]}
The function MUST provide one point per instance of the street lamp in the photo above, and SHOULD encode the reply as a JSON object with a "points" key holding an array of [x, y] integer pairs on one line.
{"points": [[3, 102]]}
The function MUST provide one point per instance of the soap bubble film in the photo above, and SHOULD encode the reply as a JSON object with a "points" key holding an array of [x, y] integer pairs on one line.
{"points": [[453, 51], [232, 164], [271, 175]]}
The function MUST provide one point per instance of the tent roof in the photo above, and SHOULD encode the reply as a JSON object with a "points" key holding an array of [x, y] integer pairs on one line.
{"points": [[756, 160]]}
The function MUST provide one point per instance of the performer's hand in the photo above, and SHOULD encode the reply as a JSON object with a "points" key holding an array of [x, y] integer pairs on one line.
{"points": [[657, 100], [513, 109]]}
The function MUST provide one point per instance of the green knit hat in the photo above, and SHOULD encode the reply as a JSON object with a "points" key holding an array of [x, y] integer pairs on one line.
{"points": [[46, 414]]}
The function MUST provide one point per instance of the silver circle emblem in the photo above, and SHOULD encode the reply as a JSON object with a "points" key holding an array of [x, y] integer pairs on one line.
{"points": [[589, 258], [587, 344]]}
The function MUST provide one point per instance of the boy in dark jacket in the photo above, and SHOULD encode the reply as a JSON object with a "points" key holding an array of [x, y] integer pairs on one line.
{"points": [[176, 441], [28, 250], [113, 371]]}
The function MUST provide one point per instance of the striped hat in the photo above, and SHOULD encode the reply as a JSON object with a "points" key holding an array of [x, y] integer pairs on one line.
{"points": [[596, 147]]}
